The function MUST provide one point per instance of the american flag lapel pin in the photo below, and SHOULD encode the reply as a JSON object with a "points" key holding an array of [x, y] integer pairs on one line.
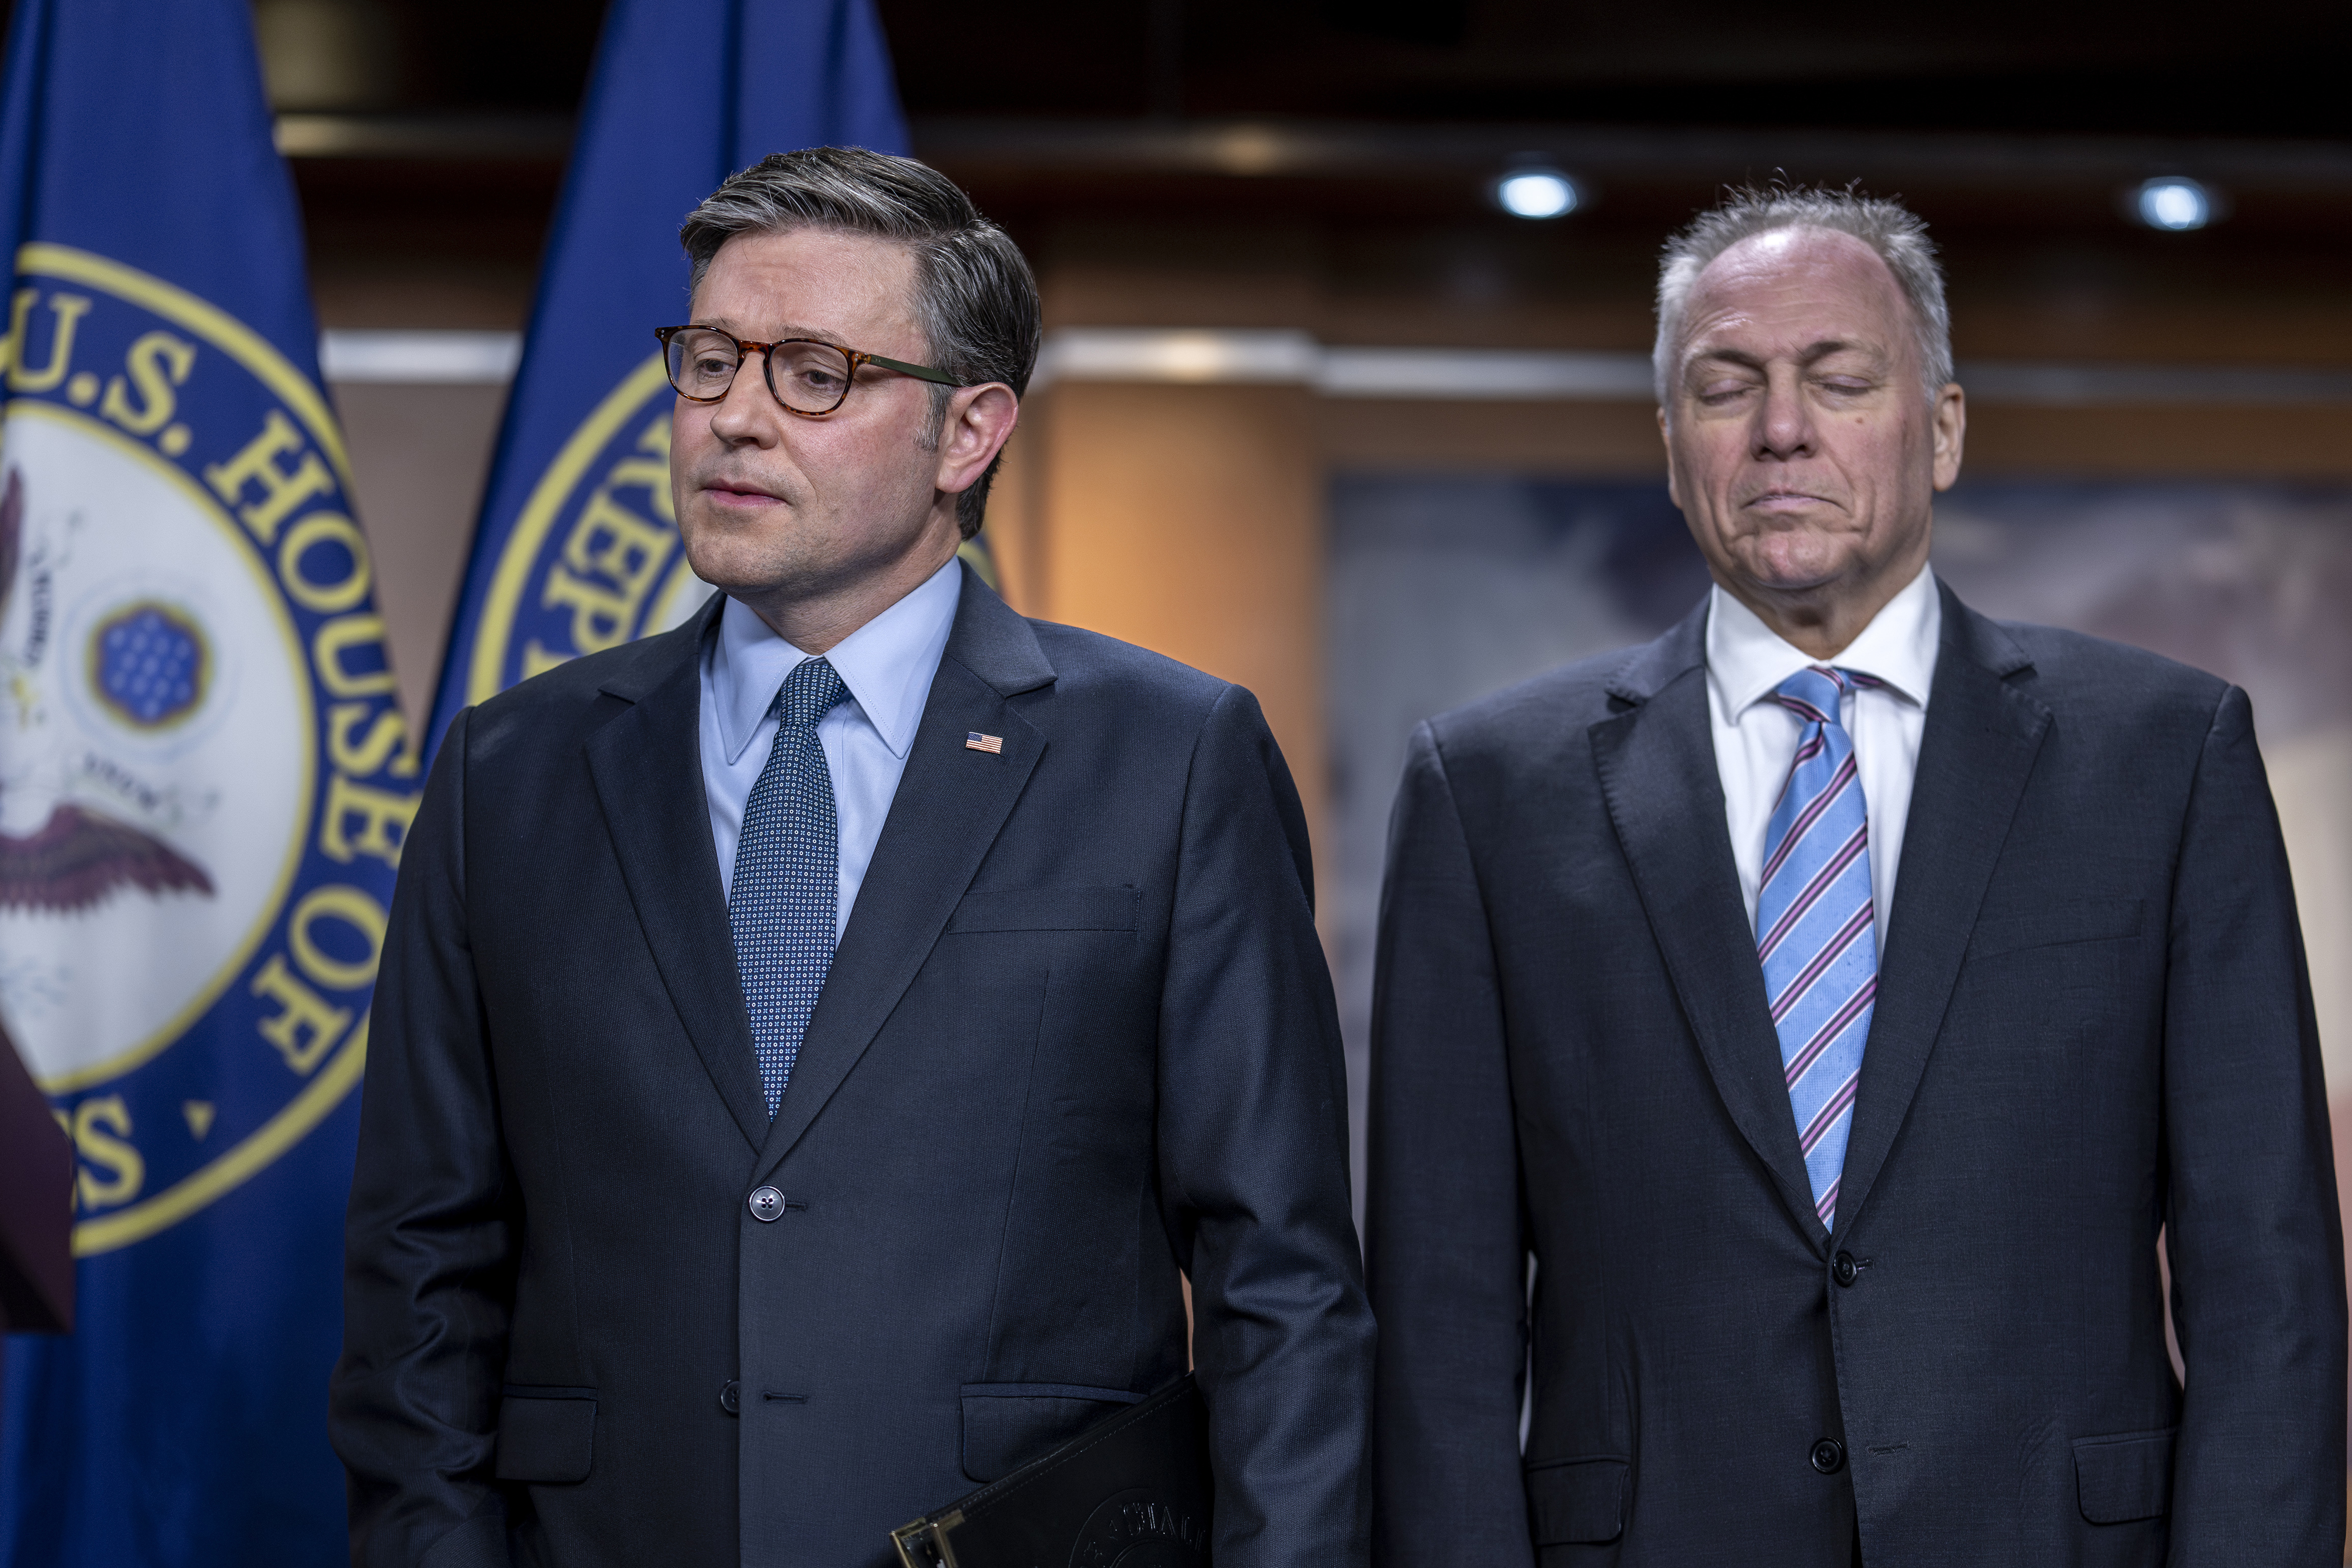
{"points": [[973, 741]]}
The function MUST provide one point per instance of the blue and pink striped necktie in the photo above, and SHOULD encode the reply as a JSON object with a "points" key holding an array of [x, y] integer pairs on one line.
{"points": [[1814, 927]]}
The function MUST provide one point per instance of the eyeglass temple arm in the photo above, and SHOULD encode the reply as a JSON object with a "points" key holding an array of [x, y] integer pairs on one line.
{"points": [[919, 372]]}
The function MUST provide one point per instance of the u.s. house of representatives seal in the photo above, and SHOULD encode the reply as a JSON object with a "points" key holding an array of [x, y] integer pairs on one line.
{"points": [[594, 559], [205, 777]]}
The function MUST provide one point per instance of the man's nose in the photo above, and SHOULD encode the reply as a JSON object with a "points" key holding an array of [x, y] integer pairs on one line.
{"points": [[1784, 425], [749, 414]]}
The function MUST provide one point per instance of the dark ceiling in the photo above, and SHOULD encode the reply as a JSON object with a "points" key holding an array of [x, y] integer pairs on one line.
{"points": [[2254, 70], [2014, 123], [2258, 69]]}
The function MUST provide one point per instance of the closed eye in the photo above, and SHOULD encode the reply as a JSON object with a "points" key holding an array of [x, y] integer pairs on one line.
{"points": [[1723, 391]]}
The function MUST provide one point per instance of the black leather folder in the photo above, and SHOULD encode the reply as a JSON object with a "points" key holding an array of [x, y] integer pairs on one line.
{"points": [[1131, 1492]]}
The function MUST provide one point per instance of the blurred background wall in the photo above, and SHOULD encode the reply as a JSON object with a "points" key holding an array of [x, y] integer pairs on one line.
{"points": [[1321, 414]]}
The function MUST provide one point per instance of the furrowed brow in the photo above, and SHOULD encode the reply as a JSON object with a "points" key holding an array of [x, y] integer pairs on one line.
{"points": [[1739, 357], [1828, 347], [1812, 355]]}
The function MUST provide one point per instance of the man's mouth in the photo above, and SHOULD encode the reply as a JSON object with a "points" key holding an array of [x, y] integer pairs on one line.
{"points": [[734, 493], [1786, 500]]}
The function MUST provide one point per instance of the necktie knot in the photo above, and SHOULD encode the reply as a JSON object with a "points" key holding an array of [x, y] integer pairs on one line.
{"points": [[808, 694], [1813, 693]]}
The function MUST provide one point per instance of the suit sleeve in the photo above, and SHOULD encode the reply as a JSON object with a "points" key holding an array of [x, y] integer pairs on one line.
{"points": [[2256, 1249], [430, 1238], [1448, 1253], [1252, 1141]]}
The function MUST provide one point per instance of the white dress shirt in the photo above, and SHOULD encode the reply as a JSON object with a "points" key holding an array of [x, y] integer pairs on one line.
{"points": [[887, 665], [1756, 738]]}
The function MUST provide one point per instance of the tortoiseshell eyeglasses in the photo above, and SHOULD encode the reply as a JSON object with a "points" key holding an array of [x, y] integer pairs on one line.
{"points": [[807, 376]]}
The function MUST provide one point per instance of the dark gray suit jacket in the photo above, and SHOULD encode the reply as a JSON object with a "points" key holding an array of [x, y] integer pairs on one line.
{"points": [[1078, 1038], [2093, 1021]]}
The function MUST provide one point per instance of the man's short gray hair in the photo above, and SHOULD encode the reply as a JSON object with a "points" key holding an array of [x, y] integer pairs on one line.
{"points": [[1891, 229], [975, 295]]}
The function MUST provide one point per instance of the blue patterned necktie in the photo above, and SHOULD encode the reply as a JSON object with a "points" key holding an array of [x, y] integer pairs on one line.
{"points": [[787, 889], [1814, 927]]}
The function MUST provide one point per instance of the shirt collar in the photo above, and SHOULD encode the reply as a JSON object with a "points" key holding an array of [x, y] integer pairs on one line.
{"points": [[1746, 659], [887, 664]]}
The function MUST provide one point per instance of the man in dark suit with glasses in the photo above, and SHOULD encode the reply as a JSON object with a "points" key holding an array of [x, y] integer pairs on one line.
{"points": [[814, 1045]]}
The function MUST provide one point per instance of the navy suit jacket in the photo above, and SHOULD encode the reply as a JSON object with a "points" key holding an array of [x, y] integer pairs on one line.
{"points": [[1077, 1041], [2093, 1021]]}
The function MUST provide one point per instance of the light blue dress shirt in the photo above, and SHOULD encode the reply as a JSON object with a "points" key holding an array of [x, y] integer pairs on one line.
{"points": [[887, 665]]}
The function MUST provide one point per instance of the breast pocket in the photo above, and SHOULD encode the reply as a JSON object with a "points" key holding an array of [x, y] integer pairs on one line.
{"points": [[2056, 924], [1046, 908]]}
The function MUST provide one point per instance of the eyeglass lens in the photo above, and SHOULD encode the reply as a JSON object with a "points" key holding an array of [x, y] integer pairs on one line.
{"points": [[807, 378]]}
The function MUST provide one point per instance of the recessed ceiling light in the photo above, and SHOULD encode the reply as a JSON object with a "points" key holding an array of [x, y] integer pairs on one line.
{"points": [[2174, 203], [1538, 193]]}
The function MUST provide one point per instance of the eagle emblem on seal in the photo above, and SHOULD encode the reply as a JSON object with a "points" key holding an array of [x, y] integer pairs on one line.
{"points": [[79, 856]]}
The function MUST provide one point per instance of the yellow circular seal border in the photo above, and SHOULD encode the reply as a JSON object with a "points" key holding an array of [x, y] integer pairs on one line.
{"points": [[547, 498], [201, 1002], [486, 670], [249, 348], [342, 1073]]}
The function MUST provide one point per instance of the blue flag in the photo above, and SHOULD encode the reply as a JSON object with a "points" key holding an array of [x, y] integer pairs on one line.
{"points": [[576, 549], [204, 781]]}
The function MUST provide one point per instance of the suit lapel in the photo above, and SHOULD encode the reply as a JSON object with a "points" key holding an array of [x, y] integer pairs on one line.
{"points": [[1982, 735], [646, 763], [951, 804], [1659, 775]]}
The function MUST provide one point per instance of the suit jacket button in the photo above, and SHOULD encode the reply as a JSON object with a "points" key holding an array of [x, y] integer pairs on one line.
{"points": [[730, 1397], [1829, 1455], [766, 1205], [1842, 1269]]}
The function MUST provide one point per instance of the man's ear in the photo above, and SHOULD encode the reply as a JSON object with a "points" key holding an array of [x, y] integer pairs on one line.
{"points": [[979, 420], [1951, 429], [1667, 436]]}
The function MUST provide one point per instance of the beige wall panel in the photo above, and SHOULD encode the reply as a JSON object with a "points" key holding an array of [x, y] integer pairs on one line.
{"points": [[1620, 439], [1190, 520], [1385, 436], [1015, 524], [419, 457], [2309, 442]]}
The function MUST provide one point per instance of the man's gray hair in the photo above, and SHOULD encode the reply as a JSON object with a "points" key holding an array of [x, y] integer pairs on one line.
{"points": [[1891, 229], [975, 295]]}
